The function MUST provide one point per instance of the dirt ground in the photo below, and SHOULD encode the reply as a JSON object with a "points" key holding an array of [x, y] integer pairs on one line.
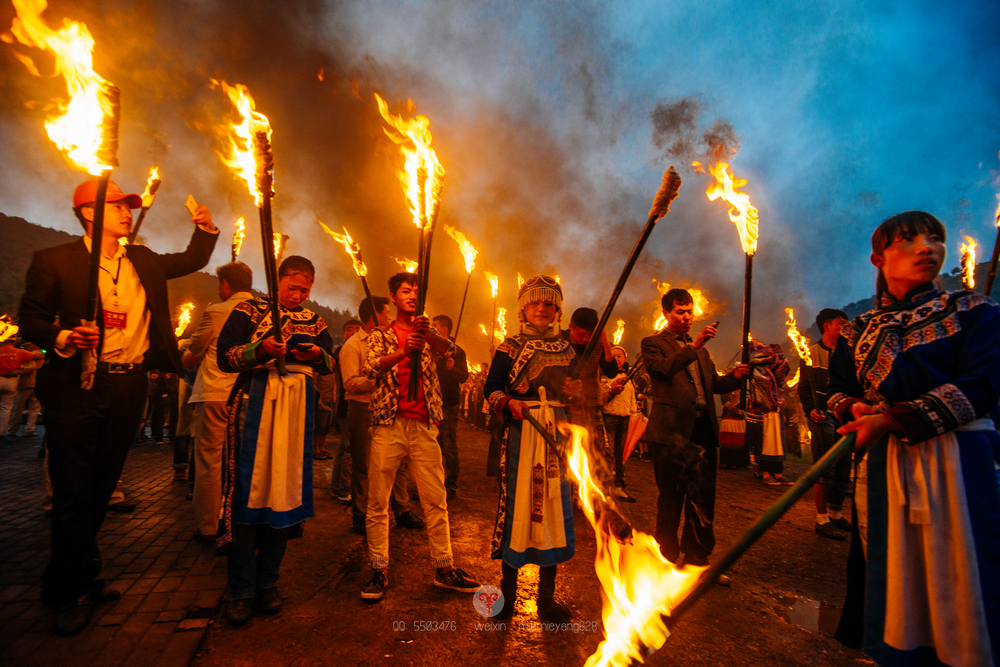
{"points": [[781, 609]]}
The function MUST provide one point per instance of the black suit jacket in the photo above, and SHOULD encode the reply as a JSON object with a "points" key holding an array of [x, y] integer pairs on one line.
{"points": [[673, 392], [56, 289]]}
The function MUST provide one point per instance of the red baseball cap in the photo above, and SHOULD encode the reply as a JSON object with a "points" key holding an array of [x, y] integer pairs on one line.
{"points": [[86, 193]]}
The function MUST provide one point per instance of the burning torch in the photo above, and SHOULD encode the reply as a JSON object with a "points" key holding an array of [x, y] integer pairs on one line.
{"points": [[661, 205], [469, 254], [85, 128], [354, 250], [969, 263], [802, 349], [744, 215], [241, 225], [422, 179], [148, 196], [250, 157], [7, 328], [988, 287], [494, 288]]}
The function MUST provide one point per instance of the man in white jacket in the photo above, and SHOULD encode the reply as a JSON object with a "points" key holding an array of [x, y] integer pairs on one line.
{"points": [[209, 396]]}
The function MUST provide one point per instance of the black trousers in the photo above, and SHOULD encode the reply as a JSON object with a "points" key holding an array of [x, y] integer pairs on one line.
{"points": [[617, 428], [685, 477], [88, 444]]}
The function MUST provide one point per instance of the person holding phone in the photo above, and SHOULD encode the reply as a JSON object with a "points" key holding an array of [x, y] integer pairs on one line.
{"points": [[90, 431], [683, 433], [267, 459]]}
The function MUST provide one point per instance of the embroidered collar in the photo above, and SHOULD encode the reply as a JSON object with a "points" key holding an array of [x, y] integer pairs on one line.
{"points": [[914, 297]]}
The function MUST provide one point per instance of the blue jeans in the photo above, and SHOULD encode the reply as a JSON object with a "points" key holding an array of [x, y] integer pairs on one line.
{"points": [[253, 562]]}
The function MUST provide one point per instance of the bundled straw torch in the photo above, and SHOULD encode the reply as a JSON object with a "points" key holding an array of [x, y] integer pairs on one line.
{"points": [[250, 157]]}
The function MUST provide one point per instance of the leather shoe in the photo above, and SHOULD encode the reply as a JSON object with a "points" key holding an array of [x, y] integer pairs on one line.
{"points": [[106, 595], [841, 523], [269, 600], [73, 617], [123, 507], [238, 611], [829, 532], [409, 520]]}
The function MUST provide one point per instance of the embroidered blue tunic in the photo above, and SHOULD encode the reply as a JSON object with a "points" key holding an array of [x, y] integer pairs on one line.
{"points": [[241, 337], [521, 366], [924, 565]]}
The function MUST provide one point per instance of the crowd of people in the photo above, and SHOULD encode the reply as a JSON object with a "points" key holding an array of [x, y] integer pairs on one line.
{"points": [[249, 403]]}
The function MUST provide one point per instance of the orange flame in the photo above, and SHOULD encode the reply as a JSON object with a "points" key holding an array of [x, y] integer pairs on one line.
{"points": [[969, 263], [494, 283], [238, 236], [638, 585], [240, 137], [558, 282], [793, 381], [279, 245], [422, 174], [183, 319], [741, 211], [7, 328], [468, 252], [148, 195], [520, 281], [501, 331], [408, 265], [997, 214], [482, 327], [350, 245], [619, 332], [703, 307], [76, 128], [798, 340]]}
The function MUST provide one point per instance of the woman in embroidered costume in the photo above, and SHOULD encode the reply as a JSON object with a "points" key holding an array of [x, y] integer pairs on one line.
{"points": [[763, 417], [535, 515], [916, 379], [267, 457]]}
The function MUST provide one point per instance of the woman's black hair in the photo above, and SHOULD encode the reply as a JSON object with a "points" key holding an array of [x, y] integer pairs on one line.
{"points": [[906, 225]]}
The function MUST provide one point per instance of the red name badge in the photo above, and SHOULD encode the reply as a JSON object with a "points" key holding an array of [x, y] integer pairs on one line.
{"points": [[114, 320]]}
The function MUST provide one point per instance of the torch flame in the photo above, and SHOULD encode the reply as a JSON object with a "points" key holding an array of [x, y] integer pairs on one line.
{"points": [[77, 126], [152, 183], [501, 331], [238, 236], [7, 328], [468, 252], [798, 340], [494, 283], [969, 263], [558, 282], [741, 211], [279, 245], [639, 586], [482, 327], [619, 332], [702, 305], [997, 214], [351, 246], [420, 164], [240, 137], [408, 265], [793, 381], [520, 281], [184, 319]]}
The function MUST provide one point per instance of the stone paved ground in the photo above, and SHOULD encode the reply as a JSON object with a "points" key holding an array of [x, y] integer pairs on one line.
{"points": [[171, 585]]}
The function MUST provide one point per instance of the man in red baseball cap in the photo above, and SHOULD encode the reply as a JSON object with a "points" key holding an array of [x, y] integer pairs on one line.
{"points": [[90, 431]]}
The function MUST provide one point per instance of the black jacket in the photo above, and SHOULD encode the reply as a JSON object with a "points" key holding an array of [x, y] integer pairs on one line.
{"points": [[56, 290]]}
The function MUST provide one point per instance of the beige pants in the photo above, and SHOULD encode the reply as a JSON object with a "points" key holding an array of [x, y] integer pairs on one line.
{"points": [[415, 441], [210, 423]]}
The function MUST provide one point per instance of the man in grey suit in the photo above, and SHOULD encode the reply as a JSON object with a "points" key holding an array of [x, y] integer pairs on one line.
{"points": [[683, 433]]}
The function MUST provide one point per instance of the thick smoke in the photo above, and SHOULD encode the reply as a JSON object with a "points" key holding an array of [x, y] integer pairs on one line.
{"points": [[676, 133]]}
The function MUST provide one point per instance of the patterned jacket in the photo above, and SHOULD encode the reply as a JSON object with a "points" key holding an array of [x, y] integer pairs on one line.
{"points": [[385, 398]]}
